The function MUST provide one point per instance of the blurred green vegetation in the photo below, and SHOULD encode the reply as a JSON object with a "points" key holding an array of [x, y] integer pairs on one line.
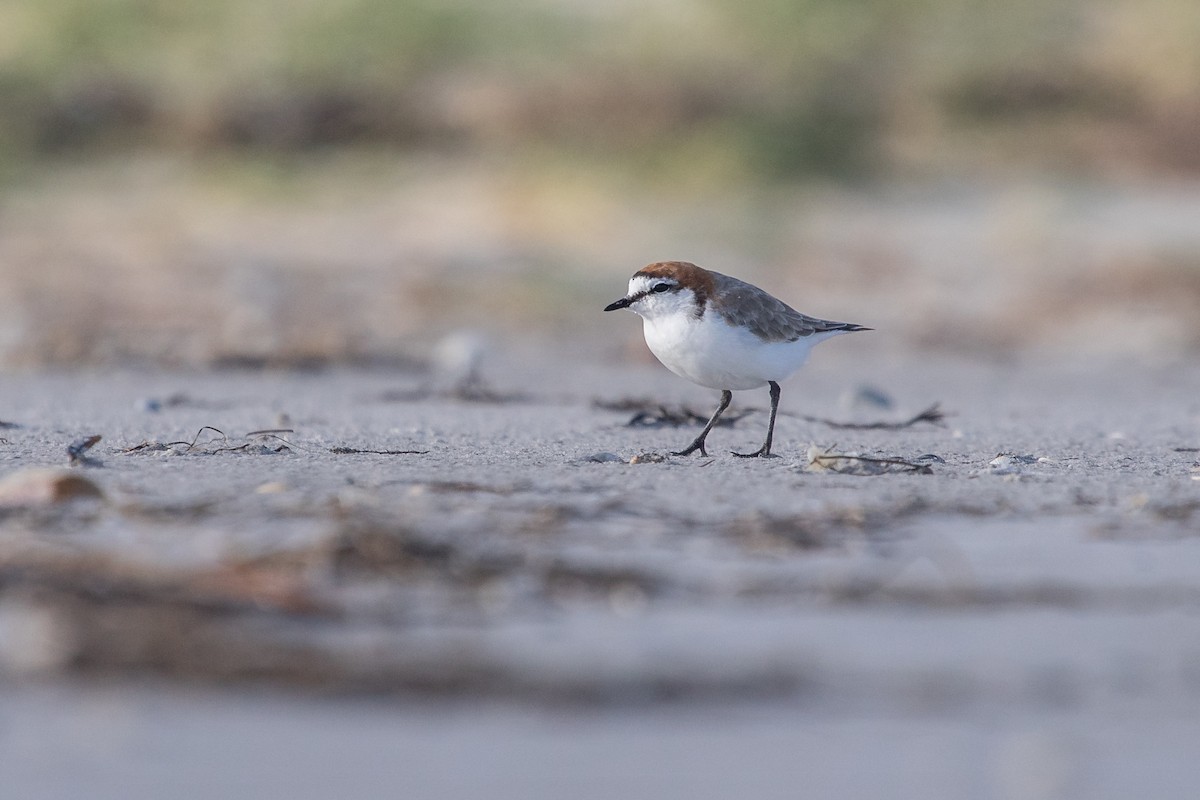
{"points": [[764, 88]]}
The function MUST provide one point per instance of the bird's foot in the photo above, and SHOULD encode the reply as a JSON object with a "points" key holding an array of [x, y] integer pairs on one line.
{"points": [[762, 452], [691, 448]]}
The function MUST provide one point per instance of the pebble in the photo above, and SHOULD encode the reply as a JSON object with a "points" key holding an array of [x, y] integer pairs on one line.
{"points": [[602, 458], [39, 486]]}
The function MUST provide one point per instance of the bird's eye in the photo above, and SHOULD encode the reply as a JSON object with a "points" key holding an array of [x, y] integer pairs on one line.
{"points": [[659, 288]]}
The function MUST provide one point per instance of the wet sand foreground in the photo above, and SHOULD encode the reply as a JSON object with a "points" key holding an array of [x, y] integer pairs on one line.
{"points": [[352, 581]]}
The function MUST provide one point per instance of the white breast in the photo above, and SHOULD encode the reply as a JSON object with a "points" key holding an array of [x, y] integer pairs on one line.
{"points": [[712, 353]]}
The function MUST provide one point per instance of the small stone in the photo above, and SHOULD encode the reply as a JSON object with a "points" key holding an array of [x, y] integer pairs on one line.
{"points": [[458, 360], [1010, 463], [602, 458], [1006, 459], [39, 486]]}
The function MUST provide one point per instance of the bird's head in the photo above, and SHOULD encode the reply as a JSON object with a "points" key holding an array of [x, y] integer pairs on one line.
{"points": [[665, 288]]}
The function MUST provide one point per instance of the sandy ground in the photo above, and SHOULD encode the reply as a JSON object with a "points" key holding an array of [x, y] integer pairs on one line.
{"points": [[517, 611]]}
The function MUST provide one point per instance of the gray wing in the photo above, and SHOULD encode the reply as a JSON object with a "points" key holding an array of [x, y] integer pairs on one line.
{"points": [[768, 318]]}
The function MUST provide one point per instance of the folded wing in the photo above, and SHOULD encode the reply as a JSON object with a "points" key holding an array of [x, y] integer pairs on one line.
{"points": [[768, 318]]}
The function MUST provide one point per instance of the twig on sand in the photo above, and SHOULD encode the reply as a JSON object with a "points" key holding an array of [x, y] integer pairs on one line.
{"points": [[649, 414], [825, 460], [933, 415], [354, 451]]}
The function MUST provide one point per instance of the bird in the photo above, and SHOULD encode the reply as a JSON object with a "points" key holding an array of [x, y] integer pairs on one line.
{"points": [[723, 333]]}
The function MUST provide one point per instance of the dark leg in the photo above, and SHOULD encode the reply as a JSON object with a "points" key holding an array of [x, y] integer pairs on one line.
{"points": [[726, 399], [765, 450]]}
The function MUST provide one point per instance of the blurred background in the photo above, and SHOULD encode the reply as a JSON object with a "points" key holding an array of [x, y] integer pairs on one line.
{"points": [[301, 182]]}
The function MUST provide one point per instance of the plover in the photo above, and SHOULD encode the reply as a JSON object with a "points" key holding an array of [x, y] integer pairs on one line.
{"points": [[722, 333]]}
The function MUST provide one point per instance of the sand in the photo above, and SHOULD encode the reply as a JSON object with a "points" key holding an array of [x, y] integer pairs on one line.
{"points": [[515, 610]]}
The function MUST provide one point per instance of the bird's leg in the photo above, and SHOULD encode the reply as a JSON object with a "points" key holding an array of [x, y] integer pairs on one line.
{"points": [[726, 399], [765, 450]]}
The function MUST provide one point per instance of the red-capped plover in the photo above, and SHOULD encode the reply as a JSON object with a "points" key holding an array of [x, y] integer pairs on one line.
{"points": [[722, 333]]}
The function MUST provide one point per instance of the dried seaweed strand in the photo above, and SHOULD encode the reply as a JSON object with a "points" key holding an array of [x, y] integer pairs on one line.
{"points": [[665, 417], [190, 445], [269, 433], [933, 415], [243, 447], [891, 462]]}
